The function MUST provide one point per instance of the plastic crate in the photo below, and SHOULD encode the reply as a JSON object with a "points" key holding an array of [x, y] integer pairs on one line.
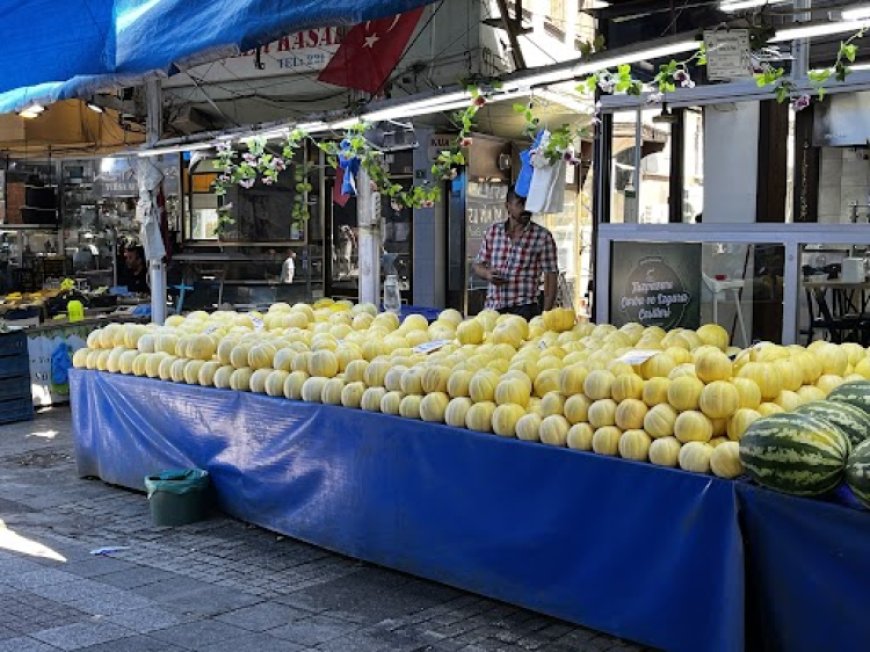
{"points": [[14, 365], [13, 343], [14, 387], [19, 409]]}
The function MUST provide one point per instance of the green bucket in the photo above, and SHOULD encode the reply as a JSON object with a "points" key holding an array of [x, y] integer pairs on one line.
{"points": [[178, 496]]}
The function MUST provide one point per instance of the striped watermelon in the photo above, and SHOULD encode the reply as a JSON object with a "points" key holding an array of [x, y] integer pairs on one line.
{"points": [[852, 420], [858, 472], [856, 392], [794, 453]]}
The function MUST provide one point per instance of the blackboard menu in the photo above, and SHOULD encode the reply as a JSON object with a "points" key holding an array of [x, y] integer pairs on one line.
{"points": [[656, 284]]}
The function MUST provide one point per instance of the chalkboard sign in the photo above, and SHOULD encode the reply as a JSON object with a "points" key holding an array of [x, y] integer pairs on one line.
{"points": [[656, 284]]}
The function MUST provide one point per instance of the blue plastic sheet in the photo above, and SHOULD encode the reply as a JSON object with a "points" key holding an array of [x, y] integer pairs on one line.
{"points": [[53, 49], [648, 554], [808, 572]]}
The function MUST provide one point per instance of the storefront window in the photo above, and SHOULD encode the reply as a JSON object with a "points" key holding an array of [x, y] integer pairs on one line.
{"points": [[649, 185]]}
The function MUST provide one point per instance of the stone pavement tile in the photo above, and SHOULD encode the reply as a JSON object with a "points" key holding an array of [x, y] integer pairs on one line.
{"points": [[25, 644], [199, 635], [40, 577], [97, 565], [263, 616], [92, 596], [15, 564], [177, 586], [140, 643], [373, 640], [78, 635], [210, 601], [314, 630], [138, 576], [144, 620], [257, 642], [350, 597], [23, 612]]}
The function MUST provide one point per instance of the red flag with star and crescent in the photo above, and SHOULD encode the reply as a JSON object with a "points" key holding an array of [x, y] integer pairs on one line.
{"points": [[370, 51]]}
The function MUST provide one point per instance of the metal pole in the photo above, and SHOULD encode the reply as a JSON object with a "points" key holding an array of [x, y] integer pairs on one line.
{"points": [[153, 124], [368, 215], [801, 47]]}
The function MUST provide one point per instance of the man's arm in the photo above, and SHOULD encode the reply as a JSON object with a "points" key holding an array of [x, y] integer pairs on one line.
{"points": [[551, 282]]}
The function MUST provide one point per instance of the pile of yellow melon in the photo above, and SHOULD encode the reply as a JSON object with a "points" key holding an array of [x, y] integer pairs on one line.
{"points": [[681, 399]]}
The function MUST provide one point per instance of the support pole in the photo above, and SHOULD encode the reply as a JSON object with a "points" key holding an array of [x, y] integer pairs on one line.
{"points": [[368, 215], [153, 125], [801, 47]]}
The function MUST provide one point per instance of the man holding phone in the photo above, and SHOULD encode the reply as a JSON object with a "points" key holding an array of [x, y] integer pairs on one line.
{"points": [[513, 256]]}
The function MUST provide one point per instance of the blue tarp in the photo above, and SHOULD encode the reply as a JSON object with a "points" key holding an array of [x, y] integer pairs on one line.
{"points": [[808, 572], [649, 554], [54, 50]]}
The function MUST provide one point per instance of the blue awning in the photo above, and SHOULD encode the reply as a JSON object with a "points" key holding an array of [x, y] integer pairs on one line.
{"points": [[55, 50]]}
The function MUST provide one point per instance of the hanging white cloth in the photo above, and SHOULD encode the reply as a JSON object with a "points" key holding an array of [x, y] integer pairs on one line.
{"points": [[149, 177], [547, 189]]}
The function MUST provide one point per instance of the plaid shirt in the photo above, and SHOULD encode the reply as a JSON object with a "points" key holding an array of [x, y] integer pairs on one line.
{"points": [[521, 262]]}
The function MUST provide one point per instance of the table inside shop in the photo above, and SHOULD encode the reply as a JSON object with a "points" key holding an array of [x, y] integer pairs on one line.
{"points": [[842, 308], [650, 554]]}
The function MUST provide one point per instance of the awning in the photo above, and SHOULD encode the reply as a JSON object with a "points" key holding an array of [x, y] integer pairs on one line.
{"points": [[67, 129], [57, 50]]}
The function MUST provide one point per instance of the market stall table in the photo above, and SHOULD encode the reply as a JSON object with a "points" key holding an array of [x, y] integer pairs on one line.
{"points": [[653, 555]]}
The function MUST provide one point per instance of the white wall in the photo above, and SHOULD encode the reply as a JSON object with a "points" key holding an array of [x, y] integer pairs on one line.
{"points": [[730, 162]]}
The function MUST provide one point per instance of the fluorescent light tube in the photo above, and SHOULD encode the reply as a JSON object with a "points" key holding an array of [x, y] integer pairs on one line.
{"points": [[189, 147], [740, 5], [859, 13], [823, 29]]}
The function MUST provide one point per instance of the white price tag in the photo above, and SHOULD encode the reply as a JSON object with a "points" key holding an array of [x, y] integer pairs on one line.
{"points": [[637, 356], [210, 330], [429, 347], [258, 323]]}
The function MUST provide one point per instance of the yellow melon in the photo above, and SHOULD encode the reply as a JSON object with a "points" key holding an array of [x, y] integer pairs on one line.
{"points": [[664, 452], [528, 427], [719, 400], [602, 413], [505, 417], [456, 410], [655, 391], [634, 445], [695, 456], [605, 440], [580, 437], [693, 426], [684, 393], [630, 414], [479, 416], [659, 420]]}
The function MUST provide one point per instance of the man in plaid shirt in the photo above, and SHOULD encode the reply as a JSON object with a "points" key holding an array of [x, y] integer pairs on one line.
{"points": [[513, 256]]}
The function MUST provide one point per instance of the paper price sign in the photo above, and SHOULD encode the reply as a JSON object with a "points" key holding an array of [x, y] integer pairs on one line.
{"points": [[429, 347], [637, 356]]}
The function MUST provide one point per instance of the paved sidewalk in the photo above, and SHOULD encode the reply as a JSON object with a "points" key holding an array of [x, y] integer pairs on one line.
{"points": [[220, 585]]}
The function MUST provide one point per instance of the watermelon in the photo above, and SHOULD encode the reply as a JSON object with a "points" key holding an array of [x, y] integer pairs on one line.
{"points": [[858, 472], [856, 392], [794, 453], [852, 420]]}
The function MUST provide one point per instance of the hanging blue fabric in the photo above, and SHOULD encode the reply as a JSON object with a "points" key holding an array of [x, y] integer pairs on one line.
{"points": [[60, 365], [524, 179], [350, 164]]}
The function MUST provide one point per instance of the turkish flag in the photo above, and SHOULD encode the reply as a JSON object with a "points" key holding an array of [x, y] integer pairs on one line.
{"points": [[370, 51]]}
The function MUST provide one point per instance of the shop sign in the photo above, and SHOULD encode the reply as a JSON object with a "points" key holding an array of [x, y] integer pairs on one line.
{"points": [[307, 51], [727, 54], [656, 284]]}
